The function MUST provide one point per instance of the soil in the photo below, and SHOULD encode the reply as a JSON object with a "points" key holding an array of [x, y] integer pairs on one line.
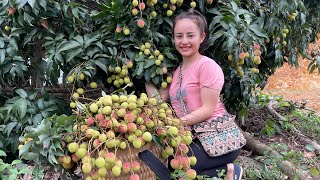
{"points": [[297, 84], [294, 84]]}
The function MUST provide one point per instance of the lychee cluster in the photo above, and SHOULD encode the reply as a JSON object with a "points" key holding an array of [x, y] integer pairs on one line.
{"points": [[120, 75], [78, 89], [284, 36], [292, 16], [256, 58], [243, 56], [122, 124], [153, 54]]}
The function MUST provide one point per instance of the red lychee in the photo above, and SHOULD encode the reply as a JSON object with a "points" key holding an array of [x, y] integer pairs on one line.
{"points": [[175, 163], [103, 123], [122, 128], [96, 143], [11, 10], [74, 157], [134, 177], [129, 117], [110, 158], [242, 55], [100, 117], [90, 121], [132, 127], [135, 166], [256, 46], [191, 174], [183, 149], [185, 162], [142, 6], [126, 167], [141, 23]]}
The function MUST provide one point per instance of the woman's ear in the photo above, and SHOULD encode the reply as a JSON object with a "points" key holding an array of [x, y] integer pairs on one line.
{"points": [[203, 36]]}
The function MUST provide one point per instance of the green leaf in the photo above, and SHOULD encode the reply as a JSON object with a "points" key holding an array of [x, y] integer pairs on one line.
{"points": [[314, 171], [9, 127], [43, 137], [148, 63], [2, 153], [31, 2], [25, 148], [147, 76], [43, 3], [140, 68], [3, 167], [156, 140], [79, 39], [30, 156], [27, 18], [2, 55], [1, 42], [69, 45], [13, 44], [21, 3], [62, 120], [37, 119], [22, 107], [234, 6], [17, 161], [258, 31], [22, 93], [29, 36], [310, 148], [228, 19], [73, 53], [25, 171], [102, 65]]}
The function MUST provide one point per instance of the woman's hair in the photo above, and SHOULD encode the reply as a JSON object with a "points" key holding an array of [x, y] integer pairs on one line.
{"points": [[198, 18]]}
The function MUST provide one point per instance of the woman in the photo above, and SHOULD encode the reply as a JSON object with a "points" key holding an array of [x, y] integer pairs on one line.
{"points": [[195, 90]]}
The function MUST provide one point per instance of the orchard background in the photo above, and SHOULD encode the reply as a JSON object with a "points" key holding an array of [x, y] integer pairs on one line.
{"points": [[53, 51]]}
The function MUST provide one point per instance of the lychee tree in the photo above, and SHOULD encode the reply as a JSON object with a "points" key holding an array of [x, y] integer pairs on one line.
{"points": [[98, 41], [120, 43]]}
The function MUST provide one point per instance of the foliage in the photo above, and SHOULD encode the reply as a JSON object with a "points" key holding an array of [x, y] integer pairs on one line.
{"points": [[306, 122], [42, 42], [176, 174], [270, 168], [24, 111], [302, 119], [15, 170], [62, 37], [45, 139]]}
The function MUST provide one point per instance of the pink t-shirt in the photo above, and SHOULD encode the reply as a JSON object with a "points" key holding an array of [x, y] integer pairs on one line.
{"points": [[204, 72]]}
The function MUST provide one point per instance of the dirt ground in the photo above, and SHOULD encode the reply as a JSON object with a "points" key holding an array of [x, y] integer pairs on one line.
{"points": [[296, 84]]}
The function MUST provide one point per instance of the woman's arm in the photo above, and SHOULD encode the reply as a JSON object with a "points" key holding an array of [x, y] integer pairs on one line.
{"points": [[209, 99], [161, 94]]}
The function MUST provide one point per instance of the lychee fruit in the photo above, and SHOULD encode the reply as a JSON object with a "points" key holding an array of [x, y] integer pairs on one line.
{"points": [[135, 166], [141, 23]]}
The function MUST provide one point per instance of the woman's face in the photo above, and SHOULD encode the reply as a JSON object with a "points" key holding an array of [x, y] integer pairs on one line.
{"points": [[187, 38]]}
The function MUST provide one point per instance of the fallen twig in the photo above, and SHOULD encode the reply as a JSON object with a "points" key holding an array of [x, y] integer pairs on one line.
{"points": [[285, 166], [302, 137]]}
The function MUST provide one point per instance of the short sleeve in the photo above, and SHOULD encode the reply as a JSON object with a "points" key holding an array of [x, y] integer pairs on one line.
{"points": [[211, 75]]}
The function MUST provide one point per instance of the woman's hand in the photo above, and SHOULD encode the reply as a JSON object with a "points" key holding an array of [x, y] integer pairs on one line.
{"points": [[161, 94]]}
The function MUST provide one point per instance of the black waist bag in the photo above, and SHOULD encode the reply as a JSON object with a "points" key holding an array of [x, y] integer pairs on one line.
{"points": [[155, 164]]}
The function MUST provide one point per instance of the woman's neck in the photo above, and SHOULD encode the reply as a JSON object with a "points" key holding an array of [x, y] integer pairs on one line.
{"points": [[187, 61]]}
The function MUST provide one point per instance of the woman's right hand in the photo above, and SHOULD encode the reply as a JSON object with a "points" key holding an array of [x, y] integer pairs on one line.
{"points": [[151, 89], [161, 94]]}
